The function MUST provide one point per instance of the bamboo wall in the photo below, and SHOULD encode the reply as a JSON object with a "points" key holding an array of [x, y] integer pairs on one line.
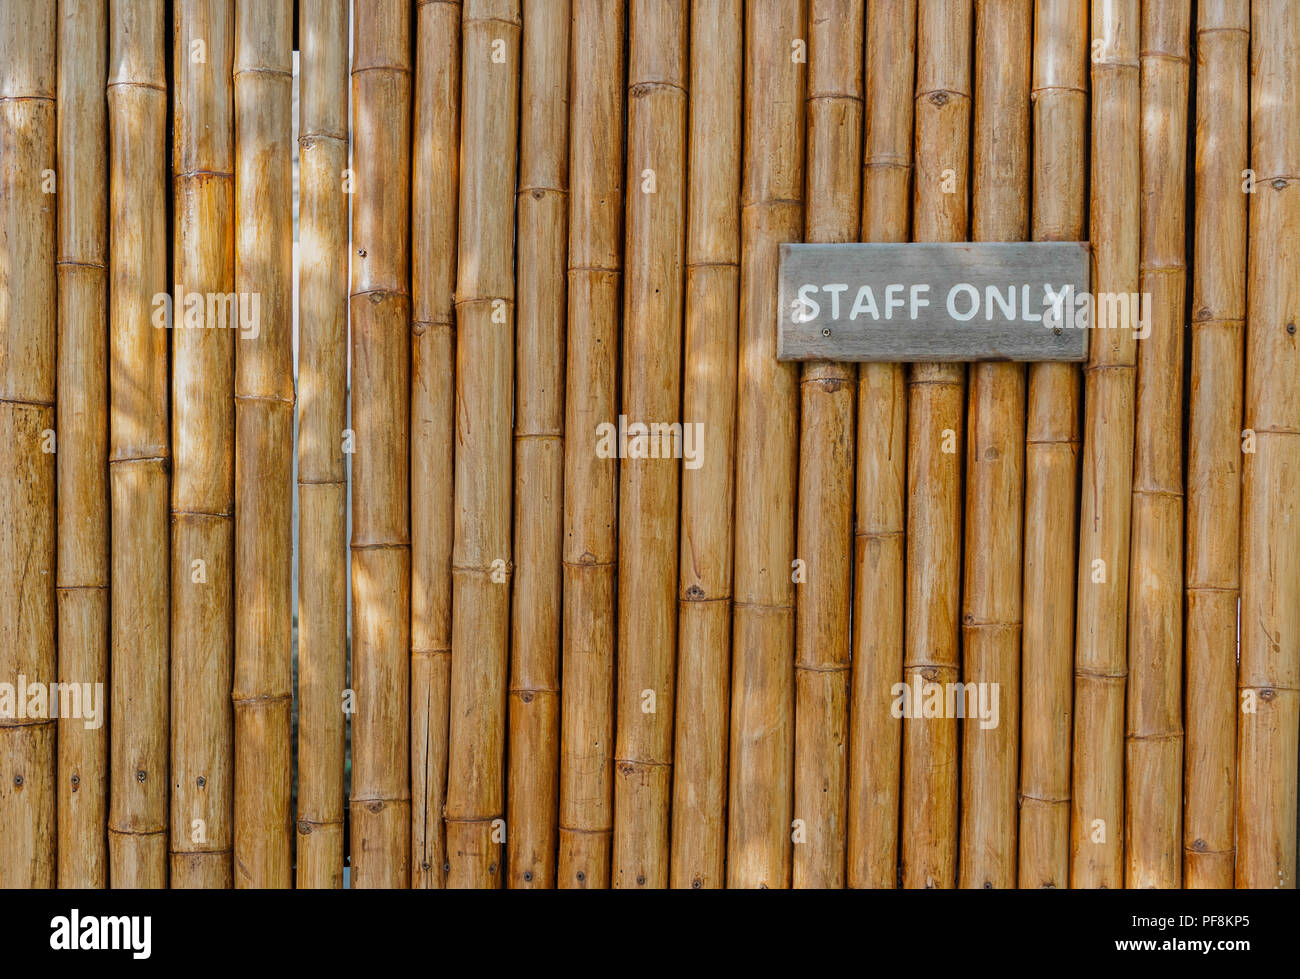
{"points": [[539, 640]]}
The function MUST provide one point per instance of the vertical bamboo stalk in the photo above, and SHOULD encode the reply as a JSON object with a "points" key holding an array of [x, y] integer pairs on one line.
{"points": [[264, 399], [481, 558], [590, 481], [1269, 677], [28, 374], [434, 188], [322, 417], [875, 733], [83, 557], [826, 443], [649, 478], [760, 796], [1097, 829], [1154, 741], [203, 334], [1214, 440], [1060, 97], [934, 474], [991, 617], [699, 826], [139, 447], [539, 445], [380, 307]]}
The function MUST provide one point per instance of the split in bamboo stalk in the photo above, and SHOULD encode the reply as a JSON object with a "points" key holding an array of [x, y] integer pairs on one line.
{"points": [[1097, 828], [380, 305], [202, 620], [539, 446], [28, 340], [591, 482], [322, 417], [83, 559], [934, 454], [760, 797], [648, 486], [263, 678], [991, 618], [699, 826], [1269, 672], [1214, 441], [1060, 99], [825, 523], [481, 558], [1154, 756], [434, 188], [875, 734], [140, 448]]}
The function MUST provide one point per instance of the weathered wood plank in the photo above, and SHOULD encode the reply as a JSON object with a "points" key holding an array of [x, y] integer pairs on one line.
{"points": [[938, 302]]}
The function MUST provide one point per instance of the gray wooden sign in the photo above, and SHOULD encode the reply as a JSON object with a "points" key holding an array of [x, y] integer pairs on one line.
{"points": [[935, 302]]}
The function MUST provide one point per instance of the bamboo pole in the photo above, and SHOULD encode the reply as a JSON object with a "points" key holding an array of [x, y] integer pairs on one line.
{"points": [[699, 825], [264, 404], [1214, 440], [202, 618], [649, 482], [1060, 97], [1154, 741], [322, 417], [434, 188], [991, 616], [83, 558], [826, 443], [1269, 675], [481, 558], [934, 475], [380, 307], [539, 446], [1097, 829], [28, 374], [760, 794], [590, 481], [139, 448], [875, 733]]}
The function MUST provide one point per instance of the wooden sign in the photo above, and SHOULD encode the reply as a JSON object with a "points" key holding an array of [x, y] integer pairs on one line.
{"points": [[934, 302]]}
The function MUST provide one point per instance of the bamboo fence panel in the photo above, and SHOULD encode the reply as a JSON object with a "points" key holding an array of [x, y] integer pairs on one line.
{"points": [[1060, 125], [1269, 672], [991, 616], [1153, 808], [264, 409], [631, 599], [1214, 440], [139, 449], [649, 480], [481, 558], [1097, 828], [934, 452], [83, 547], [380, 308], [28, 381], [699, 825], [826, 444], [203, 417], [590, 481], [880, 533], [760, 796], [542, 230], [322, 418], [434, 190]]}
